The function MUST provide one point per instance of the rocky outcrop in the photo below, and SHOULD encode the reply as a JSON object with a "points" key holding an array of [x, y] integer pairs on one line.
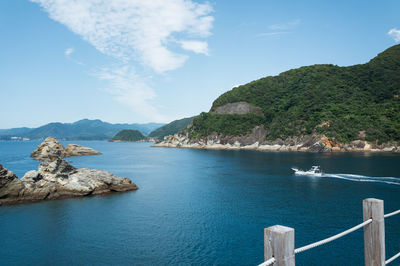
{"points": [[78, 150], [239, 108], [256, 141], [51, 149], [56, 180]]}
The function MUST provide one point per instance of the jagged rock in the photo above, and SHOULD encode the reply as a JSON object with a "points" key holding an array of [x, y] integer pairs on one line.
{"points": [[50, 149], [10, 186], [6, 176], [58, 179], [78, 150]]}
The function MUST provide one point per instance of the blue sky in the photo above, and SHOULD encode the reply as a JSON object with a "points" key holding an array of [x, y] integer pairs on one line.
{"points": [[156, 61]]}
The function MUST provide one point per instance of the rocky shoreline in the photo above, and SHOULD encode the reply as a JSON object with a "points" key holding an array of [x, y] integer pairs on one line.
{"points": [[57, 179], [254, 141]]}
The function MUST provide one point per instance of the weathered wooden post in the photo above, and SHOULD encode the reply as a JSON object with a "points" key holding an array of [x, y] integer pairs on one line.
{"points": [[374, 233], [279, 243]]}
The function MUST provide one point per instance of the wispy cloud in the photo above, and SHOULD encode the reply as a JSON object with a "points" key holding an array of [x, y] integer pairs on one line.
{"points": [[136, 31], [285, 26], [68, 51], [280, 29], [130, 89], [395, 34], [272, 33]]}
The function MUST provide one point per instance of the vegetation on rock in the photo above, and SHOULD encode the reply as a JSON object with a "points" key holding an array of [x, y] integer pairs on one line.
{"points": [[171, 128], [129, 135], [344, 103]]}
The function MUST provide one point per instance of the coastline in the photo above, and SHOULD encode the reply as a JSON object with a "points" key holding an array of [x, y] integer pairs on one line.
{"points": [[320, 144]]}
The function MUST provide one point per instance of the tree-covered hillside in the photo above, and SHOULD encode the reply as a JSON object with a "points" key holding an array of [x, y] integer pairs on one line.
{"points": [[129, 135], [345, 103], [171, 128]]}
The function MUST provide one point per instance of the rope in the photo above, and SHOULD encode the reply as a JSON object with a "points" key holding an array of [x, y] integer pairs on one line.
{"points": [[391, 214], [392, 258], [329, 239], [268, 262]]}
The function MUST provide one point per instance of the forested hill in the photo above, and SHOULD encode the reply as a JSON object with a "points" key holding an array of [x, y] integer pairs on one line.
{"points": [[129, 135], [171, 128], [345, 103]]}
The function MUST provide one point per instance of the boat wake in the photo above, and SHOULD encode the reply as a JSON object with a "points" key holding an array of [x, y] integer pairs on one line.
{"points": [[364, 178]]}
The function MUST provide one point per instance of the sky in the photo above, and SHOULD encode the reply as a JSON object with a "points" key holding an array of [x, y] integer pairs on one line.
{"points": [[134, 61]]}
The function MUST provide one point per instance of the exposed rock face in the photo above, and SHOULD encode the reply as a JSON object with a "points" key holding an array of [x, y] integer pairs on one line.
{"points": [[58, 179], [78, 150], [239, 108], [51, 149], [256, 141]]}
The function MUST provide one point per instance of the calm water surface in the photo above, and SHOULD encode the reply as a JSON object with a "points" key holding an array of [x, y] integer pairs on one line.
{"points": [[199, 207]]}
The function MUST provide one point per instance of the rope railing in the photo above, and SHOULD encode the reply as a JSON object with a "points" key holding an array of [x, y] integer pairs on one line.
{"points": [[284, 239], [391, 214], [332, 238], [268, 262], [398, 254], [392, 258]]}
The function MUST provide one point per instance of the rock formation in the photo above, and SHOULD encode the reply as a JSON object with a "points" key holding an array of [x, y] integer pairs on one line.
{"points": [[57, 179], [50, 149], [256, 141]]}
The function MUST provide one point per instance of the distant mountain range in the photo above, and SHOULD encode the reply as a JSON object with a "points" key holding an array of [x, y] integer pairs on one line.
{"points": [[84, 129]]}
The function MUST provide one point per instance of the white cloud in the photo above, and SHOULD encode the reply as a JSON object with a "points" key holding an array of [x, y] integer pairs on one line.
{"points": [[195, 46], [134, 29], [68, 51], [130, 89], [395, 34]]}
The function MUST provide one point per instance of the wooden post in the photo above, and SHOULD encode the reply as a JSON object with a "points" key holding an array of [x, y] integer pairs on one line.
{"points": [[279, 243], [374, 233]]}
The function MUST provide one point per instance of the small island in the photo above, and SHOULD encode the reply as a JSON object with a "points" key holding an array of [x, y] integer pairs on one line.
{"points": [[129, 135], [57, 178]]}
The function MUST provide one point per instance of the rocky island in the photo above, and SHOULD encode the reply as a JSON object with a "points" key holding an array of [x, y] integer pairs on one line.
{"points": [[57, 179], [50, 148]]}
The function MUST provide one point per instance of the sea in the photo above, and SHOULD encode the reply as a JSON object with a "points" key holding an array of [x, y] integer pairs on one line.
{"points": [[200, 207]]}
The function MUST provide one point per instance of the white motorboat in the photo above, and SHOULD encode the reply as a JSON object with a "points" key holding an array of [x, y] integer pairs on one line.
{"points": [[314, 171]]}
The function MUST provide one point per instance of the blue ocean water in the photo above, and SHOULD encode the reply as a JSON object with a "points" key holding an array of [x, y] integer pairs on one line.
{"points": [[199, 207]]}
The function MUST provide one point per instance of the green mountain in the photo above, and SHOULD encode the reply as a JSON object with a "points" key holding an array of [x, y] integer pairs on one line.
{"points": [[171, 128], [84, 129], [344, 103], [129, 135]]}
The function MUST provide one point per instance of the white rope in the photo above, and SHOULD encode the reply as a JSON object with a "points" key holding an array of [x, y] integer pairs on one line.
{"points": [[268, 262], [329, 239], [391, 214], [392, 258]]}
